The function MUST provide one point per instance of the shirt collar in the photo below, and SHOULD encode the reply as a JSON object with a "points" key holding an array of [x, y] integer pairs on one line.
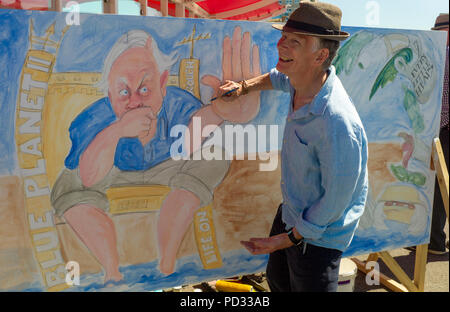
{"points": [[318, 105]]}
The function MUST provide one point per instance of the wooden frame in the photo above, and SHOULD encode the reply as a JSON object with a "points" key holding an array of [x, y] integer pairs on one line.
{"points": [[242, 10], [111, 7], [405, 284], [197, 10], [438, 164], [193, 8]]}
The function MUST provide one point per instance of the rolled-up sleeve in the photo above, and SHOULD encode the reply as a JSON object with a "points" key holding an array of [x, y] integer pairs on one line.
{"points": [[341, 158], [279, 80]]}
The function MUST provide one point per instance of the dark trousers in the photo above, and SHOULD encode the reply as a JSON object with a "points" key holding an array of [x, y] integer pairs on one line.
{"points": [[295, 269], [437, 238]]}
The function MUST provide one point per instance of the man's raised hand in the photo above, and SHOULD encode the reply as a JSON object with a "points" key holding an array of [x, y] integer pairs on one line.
{"points": [[240, 61]]}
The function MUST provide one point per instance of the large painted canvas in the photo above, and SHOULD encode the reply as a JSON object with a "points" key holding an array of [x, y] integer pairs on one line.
{"points": [[95, 176]]}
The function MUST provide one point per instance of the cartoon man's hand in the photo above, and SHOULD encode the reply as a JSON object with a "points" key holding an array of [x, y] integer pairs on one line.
{"points": [[137, 122], [237, 65]]}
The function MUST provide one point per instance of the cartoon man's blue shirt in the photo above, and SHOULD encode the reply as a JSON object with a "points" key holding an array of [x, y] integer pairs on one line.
{"points": [[177, 108]]}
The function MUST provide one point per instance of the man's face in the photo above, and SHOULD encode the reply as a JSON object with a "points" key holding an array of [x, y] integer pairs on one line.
{"points": [[135, 81], [297, 53]]}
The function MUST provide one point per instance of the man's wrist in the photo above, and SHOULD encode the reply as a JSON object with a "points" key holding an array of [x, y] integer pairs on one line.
{"points": [[244, 89], [296, 233], [295, 237]]}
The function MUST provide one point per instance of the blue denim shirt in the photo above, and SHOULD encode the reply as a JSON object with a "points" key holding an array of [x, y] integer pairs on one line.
{"points": [[323, 165]]}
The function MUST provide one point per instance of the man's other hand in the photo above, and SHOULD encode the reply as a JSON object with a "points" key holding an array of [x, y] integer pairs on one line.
{"points": [[259, 246]]}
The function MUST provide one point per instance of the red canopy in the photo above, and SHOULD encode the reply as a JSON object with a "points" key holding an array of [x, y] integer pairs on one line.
{"points": [[25, 4], [252, 10]]}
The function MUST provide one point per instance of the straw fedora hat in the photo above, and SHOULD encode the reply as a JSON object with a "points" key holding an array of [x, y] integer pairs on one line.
{"points": [[316, 19], [441, 21]]}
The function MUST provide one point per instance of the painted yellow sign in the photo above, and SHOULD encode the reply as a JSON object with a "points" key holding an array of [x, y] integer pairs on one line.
{"points": [[205, 236], [29, 126]]}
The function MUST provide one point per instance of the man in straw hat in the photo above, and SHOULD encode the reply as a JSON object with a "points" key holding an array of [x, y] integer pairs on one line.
{"points": [[437, 238], [324, 154]]}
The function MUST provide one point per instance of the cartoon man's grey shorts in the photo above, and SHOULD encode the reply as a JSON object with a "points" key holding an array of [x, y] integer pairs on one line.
{"points": [[200, 177]]}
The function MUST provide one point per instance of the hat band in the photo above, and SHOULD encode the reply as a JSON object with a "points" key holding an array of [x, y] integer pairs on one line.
{"points": [[311, 28], [441, 24]]}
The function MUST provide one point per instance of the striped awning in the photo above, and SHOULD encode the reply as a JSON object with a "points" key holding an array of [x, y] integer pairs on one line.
{"points": [[252, 10]]}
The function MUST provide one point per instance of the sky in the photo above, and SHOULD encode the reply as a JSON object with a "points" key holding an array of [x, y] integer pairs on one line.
{"points": [[401, 14]]}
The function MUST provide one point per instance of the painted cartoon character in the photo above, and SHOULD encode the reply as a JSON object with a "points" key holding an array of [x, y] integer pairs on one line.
{"points": [[124, 139]]}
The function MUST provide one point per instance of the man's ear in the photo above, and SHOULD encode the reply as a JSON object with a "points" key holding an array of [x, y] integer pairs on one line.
{"points": [[322, 56], [163, 81]]}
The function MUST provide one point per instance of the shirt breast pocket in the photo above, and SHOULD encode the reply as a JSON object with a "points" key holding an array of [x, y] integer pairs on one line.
{"points": [[305, 150], [300, 139]]}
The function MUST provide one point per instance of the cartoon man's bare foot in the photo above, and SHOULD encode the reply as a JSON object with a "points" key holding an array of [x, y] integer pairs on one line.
{"points": [[113, 277], [166, 267]]}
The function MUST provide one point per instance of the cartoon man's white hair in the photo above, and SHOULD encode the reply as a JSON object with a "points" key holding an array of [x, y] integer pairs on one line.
{"points": [[132, 39]]}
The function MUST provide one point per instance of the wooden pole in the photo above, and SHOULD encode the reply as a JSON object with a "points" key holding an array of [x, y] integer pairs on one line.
{"points": [[164, 7], [196, 11], [56, 5], [110, 6], [419, 267], [385, 280], [143, 10], [441, 172], [179, 10], [398, 271]]}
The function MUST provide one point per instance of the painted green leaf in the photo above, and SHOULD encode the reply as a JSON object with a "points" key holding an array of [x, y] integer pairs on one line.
{"points": [[348, 54], [412, 108], [388, 73], [407, 176]]}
